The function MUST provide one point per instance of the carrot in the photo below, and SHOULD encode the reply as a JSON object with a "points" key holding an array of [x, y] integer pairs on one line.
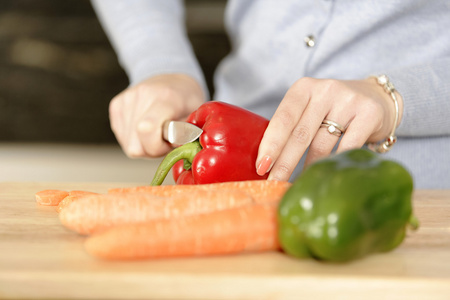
{"points": [[50, 197], [73, 196], [96, 213], [263, 191], [251, 228], [78, 193]]}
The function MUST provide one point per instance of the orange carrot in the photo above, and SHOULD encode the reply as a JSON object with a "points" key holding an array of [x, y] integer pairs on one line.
{"points": [[50, 197], [262, 191], [96, 213], [77, 193], [251, 228], [73, 196]]}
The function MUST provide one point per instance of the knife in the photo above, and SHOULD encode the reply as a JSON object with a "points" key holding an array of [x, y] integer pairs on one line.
{"points": [[179, 133]]}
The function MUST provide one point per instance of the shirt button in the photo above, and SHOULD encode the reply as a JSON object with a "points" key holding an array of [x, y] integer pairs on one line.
{"points": [[310, 41]]}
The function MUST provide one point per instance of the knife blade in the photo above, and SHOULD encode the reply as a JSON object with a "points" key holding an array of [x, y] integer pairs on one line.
{"points": [[179, 133]]}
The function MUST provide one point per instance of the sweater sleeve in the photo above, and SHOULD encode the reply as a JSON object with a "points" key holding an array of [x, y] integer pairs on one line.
{"points": [[425, 90], [149, 37]]}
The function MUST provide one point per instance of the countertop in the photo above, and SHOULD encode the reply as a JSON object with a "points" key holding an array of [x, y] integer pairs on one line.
{"points": [[40, 259], [64, 162]]}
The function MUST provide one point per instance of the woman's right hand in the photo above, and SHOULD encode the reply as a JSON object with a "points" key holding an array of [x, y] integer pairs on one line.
{"points": [[137, 114]]}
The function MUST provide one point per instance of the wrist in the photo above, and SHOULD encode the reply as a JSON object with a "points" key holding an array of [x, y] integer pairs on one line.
{"points": [[183, 82], [400, 107], [395, 102], [182, 89]]}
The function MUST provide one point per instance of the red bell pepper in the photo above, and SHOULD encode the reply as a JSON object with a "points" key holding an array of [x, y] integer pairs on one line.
{"points": [[226, 150]]}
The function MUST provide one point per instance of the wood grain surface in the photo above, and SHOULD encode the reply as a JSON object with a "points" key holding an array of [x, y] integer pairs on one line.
{"points": [[40, 259]]}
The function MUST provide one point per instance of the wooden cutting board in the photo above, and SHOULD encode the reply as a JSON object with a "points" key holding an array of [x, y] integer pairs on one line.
{"points": [[41, 259]]}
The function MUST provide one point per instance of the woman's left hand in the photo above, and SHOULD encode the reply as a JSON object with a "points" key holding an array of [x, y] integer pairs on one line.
{"points": [[361, 107]]}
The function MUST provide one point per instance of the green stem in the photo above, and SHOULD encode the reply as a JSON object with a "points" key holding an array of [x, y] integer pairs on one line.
{"points": [[413, 223], [186, 151]]}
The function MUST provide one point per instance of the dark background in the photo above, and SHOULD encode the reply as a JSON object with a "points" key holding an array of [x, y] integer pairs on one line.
{"points": [[58, 71]]}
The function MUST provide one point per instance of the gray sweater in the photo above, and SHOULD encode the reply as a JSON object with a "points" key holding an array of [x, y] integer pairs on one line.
{"points": [[408, 40]]}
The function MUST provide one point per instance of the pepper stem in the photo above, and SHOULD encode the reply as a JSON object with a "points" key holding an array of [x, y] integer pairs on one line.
{"points": [[186, 152], [413, 222]]}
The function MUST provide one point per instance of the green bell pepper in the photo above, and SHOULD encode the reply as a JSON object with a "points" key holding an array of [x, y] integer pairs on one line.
{"points": [[346, 206]]}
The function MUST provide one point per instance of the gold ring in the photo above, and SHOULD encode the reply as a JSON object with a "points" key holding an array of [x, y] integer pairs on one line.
{"points": [[333, 127]]}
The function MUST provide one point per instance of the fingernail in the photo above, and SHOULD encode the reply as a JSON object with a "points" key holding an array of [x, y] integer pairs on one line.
{"points": [[264, 165], [145, 126]]}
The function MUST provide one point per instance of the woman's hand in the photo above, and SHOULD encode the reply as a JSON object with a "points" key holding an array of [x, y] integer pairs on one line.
{"points": [[361, 107], [138, 113]]}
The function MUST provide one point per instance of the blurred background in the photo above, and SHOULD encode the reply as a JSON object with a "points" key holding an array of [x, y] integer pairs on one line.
{"points": [[58, 73]]}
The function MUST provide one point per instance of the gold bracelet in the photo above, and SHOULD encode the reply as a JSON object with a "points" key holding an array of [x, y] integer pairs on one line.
{"points": [[387, 144]]}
